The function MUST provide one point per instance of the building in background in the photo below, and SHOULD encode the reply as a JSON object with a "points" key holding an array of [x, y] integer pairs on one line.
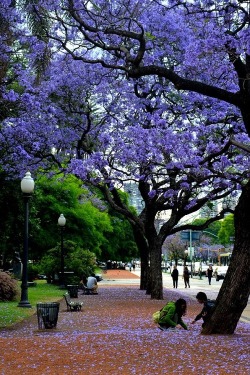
{"points": [[135, 198]]}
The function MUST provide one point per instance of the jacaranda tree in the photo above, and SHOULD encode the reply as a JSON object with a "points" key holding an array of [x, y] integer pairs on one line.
{"points": [[171, 160], [169, 90]]}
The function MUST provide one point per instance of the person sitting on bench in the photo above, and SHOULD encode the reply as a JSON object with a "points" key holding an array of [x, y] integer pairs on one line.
{"points": [[92, 284]]}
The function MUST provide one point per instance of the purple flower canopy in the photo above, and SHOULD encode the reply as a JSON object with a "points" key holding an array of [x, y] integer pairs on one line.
{"points": [[93, 121]]}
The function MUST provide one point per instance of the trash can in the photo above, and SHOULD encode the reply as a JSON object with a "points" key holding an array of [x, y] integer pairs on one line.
{"points": [[47, 314], [73, 291]]}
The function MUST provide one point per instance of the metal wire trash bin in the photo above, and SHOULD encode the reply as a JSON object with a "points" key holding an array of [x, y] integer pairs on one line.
{"points": [[47, 314], [73, 291]]}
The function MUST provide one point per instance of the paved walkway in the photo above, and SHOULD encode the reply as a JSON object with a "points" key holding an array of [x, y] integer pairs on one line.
{"points": [[114, 335], [197, 285]]}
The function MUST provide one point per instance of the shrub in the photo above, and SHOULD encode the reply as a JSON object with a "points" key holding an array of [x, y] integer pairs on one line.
{"points": [[33, 272], [80, 261], [9, 290]]}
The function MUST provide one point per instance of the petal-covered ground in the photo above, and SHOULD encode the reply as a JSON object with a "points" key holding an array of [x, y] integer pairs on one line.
{"points": [[114, 334]]}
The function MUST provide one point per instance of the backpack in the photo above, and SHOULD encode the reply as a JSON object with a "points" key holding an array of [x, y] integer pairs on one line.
{"points": [[210, 305], [156, 316]]}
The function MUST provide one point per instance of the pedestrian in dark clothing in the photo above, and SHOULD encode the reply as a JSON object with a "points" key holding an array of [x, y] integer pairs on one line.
{"points": [[208, 306], [186, 277], [175, 275], [209, 274]]}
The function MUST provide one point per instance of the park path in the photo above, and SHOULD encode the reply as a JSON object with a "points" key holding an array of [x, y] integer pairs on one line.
{"points": [[114, 334]]}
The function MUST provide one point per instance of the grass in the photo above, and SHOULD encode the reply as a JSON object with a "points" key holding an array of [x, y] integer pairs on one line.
{"points": [[10, 313]]}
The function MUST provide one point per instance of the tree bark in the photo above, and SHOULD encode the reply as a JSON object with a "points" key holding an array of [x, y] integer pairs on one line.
{"points": [[234, 293], [156, 285], [142, 246], [145, 272]]}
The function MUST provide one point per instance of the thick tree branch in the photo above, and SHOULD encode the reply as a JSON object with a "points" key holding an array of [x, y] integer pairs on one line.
{"points": [[186, 84], [240, 145]]}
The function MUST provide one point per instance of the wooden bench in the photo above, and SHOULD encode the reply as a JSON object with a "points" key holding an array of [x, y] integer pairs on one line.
{"points": [[72, 305]]}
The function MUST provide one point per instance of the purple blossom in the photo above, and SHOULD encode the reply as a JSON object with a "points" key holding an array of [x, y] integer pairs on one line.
{"points": [[152, 194]]}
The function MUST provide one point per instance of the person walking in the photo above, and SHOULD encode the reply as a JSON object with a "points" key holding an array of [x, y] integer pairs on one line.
{"points": [[175, 275], [186, 277], [209, 274], [171, 315]]}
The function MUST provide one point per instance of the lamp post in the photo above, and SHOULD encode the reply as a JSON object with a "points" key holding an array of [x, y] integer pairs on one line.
{"points": [[186, 255], [61, 223], [211, 234], [27, 187], [191, 250]]}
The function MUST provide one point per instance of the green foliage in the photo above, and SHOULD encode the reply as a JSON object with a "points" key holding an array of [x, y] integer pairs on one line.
{"points": [[43, 292], [220, 231], [227, 231], [81, 262], [11, 223], [150, 36], [33, 271], [48, 263], [120, 244], [76, 259], [86, 224], [90, 224], [9, 290], [211, 231]]}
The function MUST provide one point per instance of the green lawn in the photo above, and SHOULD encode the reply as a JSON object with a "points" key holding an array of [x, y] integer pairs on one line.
{"points": [[10, 313]]}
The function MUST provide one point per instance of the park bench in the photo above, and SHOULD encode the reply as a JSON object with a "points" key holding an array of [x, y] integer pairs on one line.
{"points": [[72, 305]]}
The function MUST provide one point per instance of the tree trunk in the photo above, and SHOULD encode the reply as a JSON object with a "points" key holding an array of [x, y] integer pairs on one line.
{"points": [[148, 288], [234, 293], [142, 246], [156, 284], [144, 270]]}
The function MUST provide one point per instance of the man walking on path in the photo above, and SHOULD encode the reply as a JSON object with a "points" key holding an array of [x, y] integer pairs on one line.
{"points": [[209, 274], [186, 277], [175, 275]]}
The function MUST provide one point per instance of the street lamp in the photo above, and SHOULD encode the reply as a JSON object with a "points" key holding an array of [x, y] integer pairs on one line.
{"points": [[61, 223], [27, 187], [211, 234], [191, 250]]}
